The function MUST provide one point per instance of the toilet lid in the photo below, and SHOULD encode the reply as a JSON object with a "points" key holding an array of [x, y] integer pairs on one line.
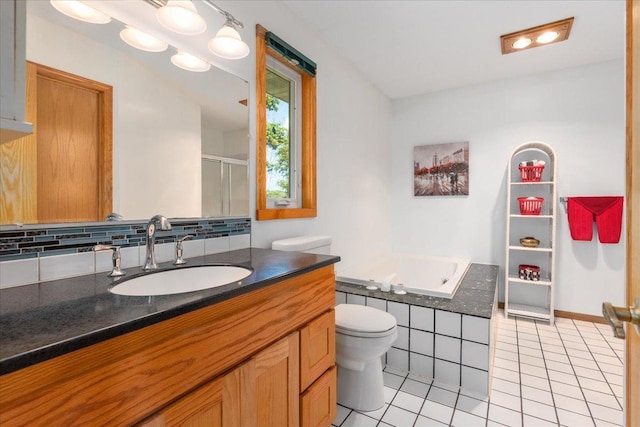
{"points": [[363, 319]]}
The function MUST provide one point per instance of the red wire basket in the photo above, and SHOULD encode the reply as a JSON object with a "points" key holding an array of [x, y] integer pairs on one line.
{"points": [[530, 205], [531, 173]]}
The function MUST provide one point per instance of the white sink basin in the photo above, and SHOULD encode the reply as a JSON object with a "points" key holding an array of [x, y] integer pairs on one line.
{"points": [[180, 280]]}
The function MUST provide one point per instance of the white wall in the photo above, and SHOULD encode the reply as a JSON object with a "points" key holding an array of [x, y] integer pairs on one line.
{"points": [[579, 112], [353, 122], [152, 118]]}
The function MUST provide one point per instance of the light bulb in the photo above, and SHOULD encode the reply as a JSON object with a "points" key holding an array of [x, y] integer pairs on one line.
{"points": [[143, 41], [181, 17], [228, 44], [79, 10], [521, 43], [189, 62], [547, 37]]}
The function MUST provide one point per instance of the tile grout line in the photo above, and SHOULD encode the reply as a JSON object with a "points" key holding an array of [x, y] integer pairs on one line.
{"points": [[576, 375], [601, 373], [544, 360]]}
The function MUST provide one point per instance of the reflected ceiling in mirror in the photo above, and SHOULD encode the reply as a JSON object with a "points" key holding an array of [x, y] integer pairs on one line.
{"points": [[165, 119]]}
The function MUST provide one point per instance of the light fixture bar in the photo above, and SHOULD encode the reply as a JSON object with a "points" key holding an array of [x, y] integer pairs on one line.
{"points": [[541, 35], [229, 17]]}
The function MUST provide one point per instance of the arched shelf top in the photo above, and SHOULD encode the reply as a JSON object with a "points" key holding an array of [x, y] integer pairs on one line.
{"points": [[536, 146]]}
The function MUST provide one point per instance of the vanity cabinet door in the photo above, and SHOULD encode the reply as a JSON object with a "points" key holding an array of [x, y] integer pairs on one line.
{"points": [[318, 403], [215, 404], [270, 386], [317, 348]]}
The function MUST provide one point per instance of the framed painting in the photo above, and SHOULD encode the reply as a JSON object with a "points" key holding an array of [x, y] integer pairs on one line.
{"points": [[441, 169]]}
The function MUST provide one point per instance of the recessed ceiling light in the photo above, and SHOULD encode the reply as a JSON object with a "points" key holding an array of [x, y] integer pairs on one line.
{"points": [[547, 37], [521, 43], [541, 35]]}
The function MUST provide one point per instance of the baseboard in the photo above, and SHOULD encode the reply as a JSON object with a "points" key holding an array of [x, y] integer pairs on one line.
{"points": [[572, 315]]}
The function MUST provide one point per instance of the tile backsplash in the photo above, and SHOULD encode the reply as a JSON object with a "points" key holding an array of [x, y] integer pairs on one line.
{"points": [[28, 256]]}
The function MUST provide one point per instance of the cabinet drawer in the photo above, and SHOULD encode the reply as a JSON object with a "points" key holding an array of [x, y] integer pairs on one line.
{"points": [[318, 403], [317, 348]]}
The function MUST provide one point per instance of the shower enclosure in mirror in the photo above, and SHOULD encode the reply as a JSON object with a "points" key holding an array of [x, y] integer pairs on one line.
{"points": [[167, 124]]}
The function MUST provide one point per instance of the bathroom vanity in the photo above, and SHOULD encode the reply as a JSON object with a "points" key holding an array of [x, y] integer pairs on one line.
{"points": [[261, 352]]}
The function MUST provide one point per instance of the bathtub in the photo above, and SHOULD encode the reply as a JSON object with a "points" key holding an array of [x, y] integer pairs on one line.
{"points": [[418, 274]]}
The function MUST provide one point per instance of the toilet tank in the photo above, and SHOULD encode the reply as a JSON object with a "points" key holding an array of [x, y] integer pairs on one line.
{"points": [[311, 244]]}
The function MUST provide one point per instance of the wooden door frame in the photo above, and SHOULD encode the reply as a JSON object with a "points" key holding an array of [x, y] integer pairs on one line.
{"points": [[632, 363], [105, 150]]}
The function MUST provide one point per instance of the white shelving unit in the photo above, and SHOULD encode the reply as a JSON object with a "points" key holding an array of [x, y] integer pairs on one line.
{"points": [[529, 298]]}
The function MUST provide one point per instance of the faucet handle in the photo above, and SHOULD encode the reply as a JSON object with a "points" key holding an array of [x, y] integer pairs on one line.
{"points": [[179, 260], [116, 259]]}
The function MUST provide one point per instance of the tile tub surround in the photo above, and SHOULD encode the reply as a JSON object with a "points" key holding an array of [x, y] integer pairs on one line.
{"points": [[452, 341], [40, 254], [49, 319]]}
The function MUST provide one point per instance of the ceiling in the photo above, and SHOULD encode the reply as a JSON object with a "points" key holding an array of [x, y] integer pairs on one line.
{"points": [[407, 48]]}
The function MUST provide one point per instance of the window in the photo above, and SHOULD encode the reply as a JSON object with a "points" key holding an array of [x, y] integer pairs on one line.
{"points": [[286, 131]]}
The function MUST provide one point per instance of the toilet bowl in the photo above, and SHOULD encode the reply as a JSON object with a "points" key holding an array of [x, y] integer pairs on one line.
{"points": [[363, 335]]}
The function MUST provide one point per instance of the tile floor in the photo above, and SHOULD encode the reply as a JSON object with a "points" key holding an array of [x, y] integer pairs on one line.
{"points": [[570, 374]]}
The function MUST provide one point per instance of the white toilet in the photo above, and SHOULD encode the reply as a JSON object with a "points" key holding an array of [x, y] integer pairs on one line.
{"points": [[363, 335]]}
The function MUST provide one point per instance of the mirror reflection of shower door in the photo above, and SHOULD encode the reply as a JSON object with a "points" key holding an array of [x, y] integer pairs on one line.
{"points": [[225, 187], [238, 190]]}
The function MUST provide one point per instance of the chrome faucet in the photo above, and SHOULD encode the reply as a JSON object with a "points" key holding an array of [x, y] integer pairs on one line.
{"points": [[155, 221]]}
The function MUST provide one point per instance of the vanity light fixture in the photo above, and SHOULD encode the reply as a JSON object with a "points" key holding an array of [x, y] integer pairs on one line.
{"points": [[541, 35], [227, 43], [181, 16], [79, 10], [143, 41], [188, 62]]}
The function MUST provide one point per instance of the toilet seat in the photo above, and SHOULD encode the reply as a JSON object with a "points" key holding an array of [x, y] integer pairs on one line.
{"points": [[362, 321]]}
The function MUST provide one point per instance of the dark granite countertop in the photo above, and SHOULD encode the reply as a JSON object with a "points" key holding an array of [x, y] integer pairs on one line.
{"points": [[44, 320], [475, 294]]}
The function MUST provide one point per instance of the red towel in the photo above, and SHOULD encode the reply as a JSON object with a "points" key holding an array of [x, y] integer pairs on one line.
{"points": [[606, 210]]}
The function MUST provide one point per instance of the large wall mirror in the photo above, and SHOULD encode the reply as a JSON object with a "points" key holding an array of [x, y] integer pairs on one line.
{"points": [[180, 139]]}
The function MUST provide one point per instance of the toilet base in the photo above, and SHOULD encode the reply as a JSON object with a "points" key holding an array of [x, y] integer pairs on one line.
{"points": [[361, 390]]}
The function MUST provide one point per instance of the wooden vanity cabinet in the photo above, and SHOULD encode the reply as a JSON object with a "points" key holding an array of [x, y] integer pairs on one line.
{"points": [[236, 363], [261, 392]]}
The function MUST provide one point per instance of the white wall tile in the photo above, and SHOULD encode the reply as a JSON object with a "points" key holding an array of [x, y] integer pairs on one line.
{"points": [[241, 241], [475, 329], [378, 303], [448, 323], [403, 338], [398, 359], [422, 318], [475, 380], [193, 248], [421, 342], [400, 311], [421, 365], [61, 266], [18, 272], [447, 348], [129, 257], [164, 252], [216, 245], [447, 372], [356, 299], [341, 298], [475, 355]]}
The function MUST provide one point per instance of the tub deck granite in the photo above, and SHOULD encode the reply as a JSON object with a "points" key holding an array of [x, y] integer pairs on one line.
{"points": [[475, 295], [449, 340]]}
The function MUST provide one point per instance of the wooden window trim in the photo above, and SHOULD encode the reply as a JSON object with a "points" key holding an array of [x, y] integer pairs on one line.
{"points": [[308, 145]]}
